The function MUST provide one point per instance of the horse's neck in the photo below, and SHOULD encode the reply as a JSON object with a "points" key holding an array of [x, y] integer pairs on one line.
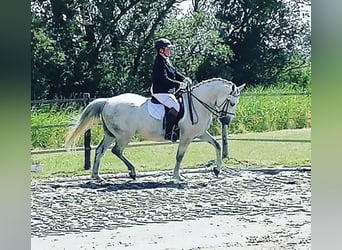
{"points": [[209, 92]]}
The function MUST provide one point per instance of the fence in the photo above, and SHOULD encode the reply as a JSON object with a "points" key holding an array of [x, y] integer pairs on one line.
{"points": [[87, 136]]}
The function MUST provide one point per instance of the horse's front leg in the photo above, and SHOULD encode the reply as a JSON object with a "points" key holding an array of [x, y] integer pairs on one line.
{"points": [[183, 145], [209, 138]]}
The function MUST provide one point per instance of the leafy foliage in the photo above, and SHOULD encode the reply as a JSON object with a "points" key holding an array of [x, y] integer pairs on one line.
{"points": [[106, 47], [101, 42], [264, 36], [200, 52]]}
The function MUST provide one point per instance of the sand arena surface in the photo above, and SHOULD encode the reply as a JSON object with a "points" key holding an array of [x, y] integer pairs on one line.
{"points": [[241, 209]]}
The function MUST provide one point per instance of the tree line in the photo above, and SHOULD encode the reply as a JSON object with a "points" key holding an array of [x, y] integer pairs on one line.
{"points": [[105, 47]]}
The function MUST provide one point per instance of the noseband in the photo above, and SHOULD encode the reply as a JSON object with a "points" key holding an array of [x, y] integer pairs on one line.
{"points": [[225, 105]]}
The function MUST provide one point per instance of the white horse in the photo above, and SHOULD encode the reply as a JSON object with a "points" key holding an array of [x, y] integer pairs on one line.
{"points": [[127, 114]]}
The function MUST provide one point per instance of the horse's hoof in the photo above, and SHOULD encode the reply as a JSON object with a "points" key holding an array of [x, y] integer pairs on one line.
{"points": [[133, 176], [216, 171], [176, 178], [179, 178], [97, 178]]}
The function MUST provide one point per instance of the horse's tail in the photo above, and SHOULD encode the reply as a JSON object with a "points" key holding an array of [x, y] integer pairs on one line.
{"points": [[85, 121]]}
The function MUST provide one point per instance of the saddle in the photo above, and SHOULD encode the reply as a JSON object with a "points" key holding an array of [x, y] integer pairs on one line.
{"points": [[179, 116]]}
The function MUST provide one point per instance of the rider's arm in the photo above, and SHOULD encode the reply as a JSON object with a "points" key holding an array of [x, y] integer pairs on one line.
{"points": [[173, 83], [180, 77]]}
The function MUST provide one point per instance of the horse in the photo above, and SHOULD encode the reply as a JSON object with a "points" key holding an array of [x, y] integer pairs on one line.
{"points": [[127, 114]]}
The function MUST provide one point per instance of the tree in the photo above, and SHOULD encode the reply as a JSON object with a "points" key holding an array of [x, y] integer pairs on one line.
{"points": [[264, 36], [102, 44], [105, 47], [200, 53]]}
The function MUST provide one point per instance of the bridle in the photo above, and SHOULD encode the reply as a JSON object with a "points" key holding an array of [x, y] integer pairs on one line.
{"points": [[219, 111]]}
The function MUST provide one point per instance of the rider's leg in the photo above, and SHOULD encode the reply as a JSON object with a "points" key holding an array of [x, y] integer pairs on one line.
{"points": [[171, 102], [168, 100], [171, 117]]}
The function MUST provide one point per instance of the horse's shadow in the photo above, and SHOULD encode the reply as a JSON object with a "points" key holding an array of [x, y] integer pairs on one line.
{"points": [[133, 185], [106, 186]]}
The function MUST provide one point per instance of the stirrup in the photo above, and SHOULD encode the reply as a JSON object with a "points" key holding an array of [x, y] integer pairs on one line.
{"points": [[171, 136]]}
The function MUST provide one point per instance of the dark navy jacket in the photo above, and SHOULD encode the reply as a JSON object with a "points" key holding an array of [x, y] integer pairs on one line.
{"points": [[164, 76]]}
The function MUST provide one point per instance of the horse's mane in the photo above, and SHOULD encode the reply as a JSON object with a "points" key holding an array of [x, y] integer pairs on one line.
{"points": [[211, 80]]}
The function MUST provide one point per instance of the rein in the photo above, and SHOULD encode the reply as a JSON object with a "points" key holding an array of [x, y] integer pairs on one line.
{"points": [[189, 93], [220, 112]]}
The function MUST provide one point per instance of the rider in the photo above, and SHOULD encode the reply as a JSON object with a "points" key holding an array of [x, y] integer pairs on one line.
{"points": [[164, 78]]}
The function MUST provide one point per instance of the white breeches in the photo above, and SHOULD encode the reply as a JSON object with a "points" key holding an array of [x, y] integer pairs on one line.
{"points": [[169, 100]]}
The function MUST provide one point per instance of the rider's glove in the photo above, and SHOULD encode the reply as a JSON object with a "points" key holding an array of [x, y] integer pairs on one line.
{"points": [[188, 81], [182, 85]]}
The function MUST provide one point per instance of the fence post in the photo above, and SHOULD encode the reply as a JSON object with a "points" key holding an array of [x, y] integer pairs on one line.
{"points": [[87, 137], [224, 142]]}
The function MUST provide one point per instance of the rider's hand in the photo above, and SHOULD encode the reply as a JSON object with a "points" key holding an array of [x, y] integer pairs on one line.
{"points": [[187, 80], [182, 85]]}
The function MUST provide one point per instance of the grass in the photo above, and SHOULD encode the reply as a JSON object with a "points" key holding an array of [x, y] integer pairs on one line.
{"points": [[268, 112], [269, 116], [162, 157], [45, 120]]}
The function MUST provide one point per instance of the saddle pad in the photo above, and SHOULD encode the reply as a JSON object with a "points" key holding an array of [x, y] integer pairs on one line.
{"points": [[156, 110]]}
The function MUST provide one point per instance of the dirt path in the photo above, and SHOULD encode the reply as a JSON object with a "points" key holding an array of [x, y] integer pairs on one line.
{"points": [[241, 209]]}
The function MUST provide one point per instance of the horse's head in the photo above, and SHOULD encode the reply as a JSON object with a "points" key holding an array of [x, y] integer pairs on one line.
{"points": [[219, 96], [229, 104]]}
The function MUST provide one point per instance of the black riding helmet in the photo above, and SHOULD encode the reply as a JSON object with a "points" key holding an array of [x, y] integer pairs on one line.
{"points": [[162, 43]]}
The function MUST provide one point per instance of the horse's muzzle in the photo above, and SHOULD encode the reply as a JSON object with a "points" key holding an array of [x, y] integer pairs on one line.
{"points": [[225, 120]]}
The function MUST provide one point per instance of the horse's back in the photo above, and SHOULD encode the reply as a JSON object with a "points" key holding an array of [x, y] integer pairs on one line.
{"points": [[130, 99], [127, 114], [124, 105]]}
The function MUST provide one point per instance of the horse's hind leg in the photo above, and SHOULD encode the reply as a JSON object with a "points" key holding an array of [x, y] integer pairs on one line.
{"points": [[118, 151], [100, 150]]}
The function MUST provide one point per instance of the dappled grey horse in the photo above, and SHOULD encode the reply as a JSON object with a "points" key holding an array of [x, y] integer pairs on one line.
{"points": [[127, 114]]}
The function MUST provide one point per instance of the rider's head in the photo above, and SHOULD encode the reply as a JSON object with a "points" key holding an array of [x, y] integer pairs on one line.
{"points": [[163, 46]]}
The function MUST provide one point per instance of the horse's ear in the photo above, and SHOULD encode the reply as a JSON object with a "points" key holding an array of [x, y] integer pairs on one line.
{"points": [[241, 87]]}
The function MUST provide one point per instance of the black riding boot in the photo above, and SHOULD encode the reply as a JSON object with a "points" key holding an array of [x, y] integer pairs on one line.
{"points": [[171, 117]]}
